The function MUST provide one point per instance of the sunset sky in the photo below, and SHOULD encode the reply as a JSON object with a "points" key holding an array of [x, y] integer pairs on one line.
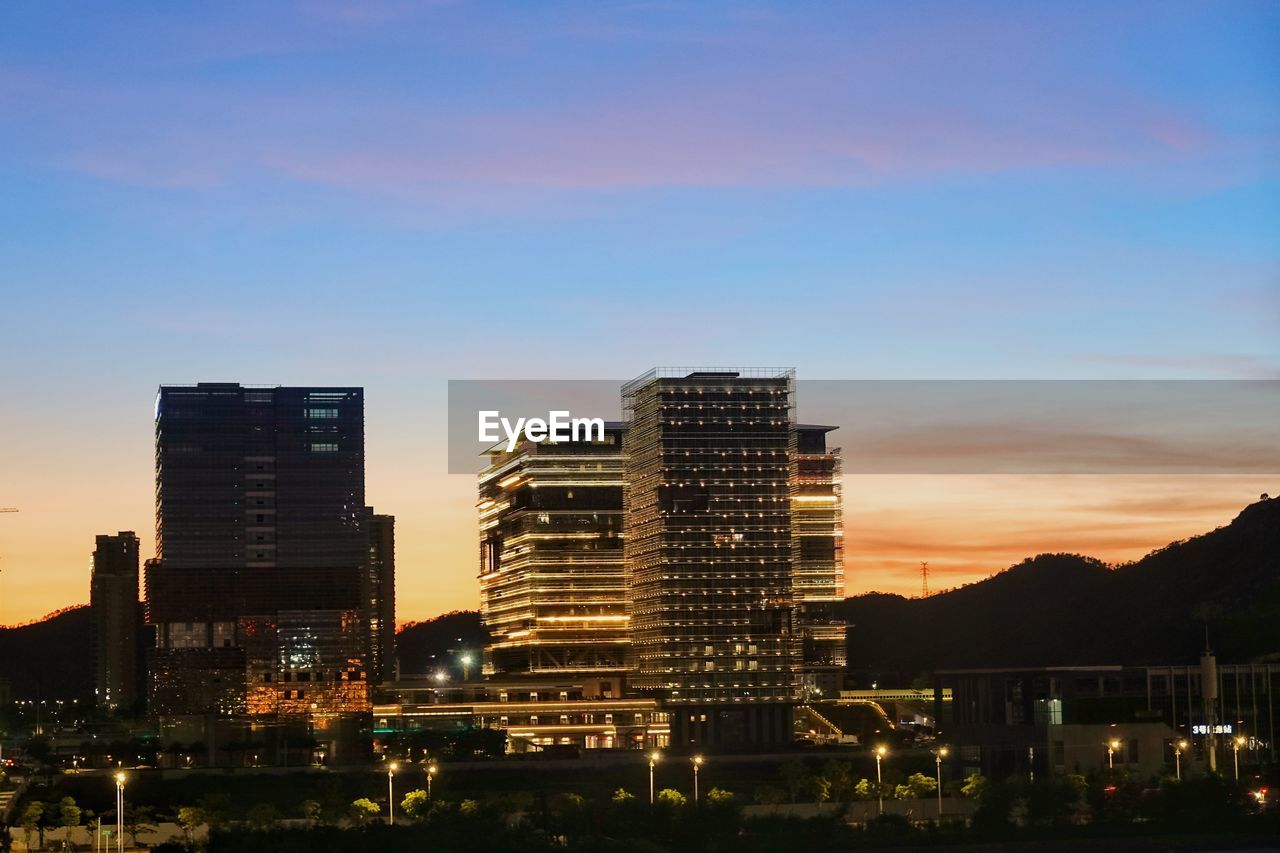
{"points": [[395, 194]]}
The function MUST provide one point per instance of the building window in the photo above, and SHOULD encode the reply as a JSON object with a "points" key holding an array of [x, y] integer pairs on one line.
{"points": [[324, 447], [318, 414]]}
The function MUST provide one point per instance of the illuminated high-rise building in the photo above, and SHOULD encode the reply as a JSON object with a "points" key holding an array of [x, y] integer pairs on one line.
{"points": [[709, 550], [817, 563], [113, 598], [378, 596], [551, 573], [261, 547]]}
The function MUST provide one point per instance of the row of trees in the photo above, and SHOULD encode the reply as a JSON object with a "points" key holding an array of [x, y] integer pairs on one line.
{"points": [[837, 783], [39, 818]]}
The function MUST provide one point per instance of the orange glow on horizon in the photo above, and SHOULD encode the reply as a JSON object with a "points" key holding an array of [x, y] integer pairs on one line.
{"points": [[967, 527]]}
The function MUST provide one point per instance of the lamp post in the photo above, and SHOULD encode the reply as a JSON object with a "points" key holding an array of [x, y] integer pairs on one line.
{"points": [[653, 762], [1238, 742], [120, 812], [391, 795], [881, 752], [939, 754], [697, 765], [465, 659], [432, 770], [1112, 747], [1178, 749]]}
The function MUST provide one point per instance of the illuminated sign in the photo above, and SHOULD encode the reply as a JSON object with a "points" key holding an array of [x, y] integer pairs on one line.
{"points": [[1204, 729]]}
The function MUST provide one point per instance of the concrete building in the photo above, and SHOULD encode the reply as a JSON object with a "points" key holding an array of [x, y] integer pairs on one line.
{"points": [[113, 597]]}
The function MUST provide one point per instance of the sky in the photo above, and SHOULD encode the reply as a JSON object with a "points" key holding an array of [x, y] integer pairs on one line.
{"points": [[395, 194]]}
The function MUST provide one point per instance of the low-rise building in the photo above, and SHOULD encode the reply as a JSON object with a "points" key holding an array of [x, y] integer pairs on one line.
{"points": [[536, 713], [1077, 719]]}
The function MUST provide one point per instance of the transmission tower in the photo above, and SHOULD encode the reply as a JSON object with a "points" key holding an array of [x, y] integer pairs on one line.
{"points": [[924, 578]]}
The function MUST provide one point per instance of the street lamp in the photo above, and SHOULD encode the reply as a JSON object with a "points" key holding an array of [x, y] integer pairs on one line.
{"points": [[432, 770], [697, 765], [1237, 743], [1178, 749], [391, 796], [1112, 747], [653, 762], [939, 754], [881, 752], [120, 812], [465, 659]]}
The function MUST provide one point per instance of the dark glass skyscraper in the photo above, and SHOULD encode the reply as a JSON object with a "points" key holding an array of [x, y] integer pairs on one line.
{"points": [[262, 546], [113, 597], [379, 596]]}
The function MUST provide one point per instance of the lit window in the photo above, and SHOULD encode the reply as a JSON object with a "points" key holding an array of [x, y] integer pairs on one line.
{"points": [[321, 413], [324, 447]]}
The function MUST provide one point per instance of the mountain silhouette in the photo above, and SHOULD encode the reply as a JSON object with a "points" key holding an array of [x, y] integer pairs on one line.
{"points": [[1048, 610], [1066, 609]]}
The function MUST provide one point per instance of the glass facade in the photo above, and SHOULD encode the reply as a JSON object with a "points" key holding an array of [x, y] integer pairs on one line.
{"points": [[551, 575], [817, 561], [262, 544], [709, 549]]}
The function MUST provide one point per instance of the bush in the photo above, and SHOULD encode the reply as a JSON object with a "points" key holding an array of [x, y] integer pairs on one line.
{"points": [[363, 810], [670, 797]]}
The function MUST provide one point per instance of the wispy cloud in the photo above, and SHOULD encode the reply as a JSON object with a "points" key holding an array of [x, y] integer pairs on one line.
{"points": [[1220, 365], [757, 113]]}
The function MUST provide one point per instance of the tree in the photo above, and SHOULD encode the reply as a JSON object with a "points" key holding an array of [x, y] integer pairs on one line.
{"points": [[671, 797], [416, 804], [263, 816], [622, 795], [138, 820], [68, 815], [817, 788], [190, 819], [31, 820], [216, 809], [770, 795], [361, 811], [974, 786], [920, 786], [839, 776], [794, 777], [310, 810], [719, 797]]}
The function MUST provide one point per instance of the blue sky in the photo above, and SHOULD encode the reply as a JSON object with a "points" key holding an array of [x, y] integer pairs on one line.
{"points": [[393, 194]]}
